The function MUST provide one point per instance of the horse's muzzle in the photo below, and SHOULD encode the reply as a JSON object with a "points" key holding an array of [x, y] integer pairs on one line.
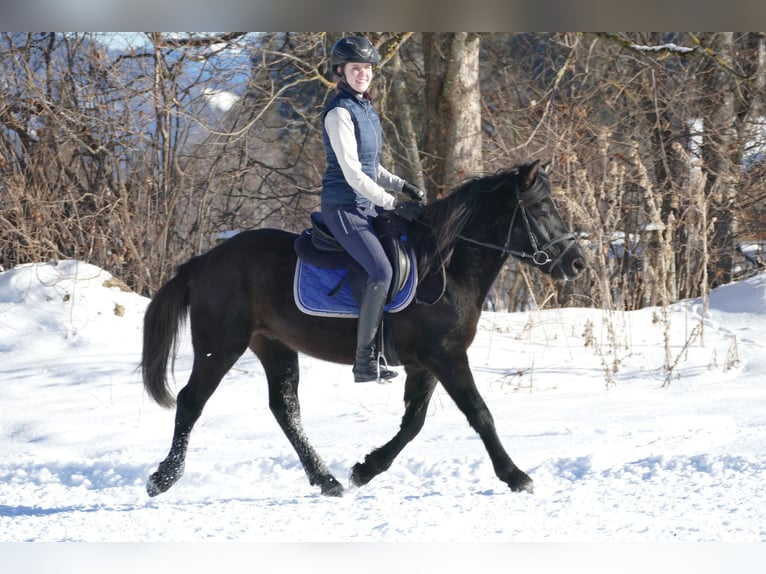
{"points": [[569, 264]]}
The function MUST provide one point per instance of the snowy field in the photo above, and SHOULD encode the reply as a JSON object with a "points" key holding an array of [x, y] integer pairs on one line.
{"points": [[638, 456]]}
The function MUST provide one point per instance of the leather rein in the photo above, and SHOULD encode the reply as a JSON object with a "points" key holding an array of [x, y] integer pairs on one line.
{"points": [[540, 255]]}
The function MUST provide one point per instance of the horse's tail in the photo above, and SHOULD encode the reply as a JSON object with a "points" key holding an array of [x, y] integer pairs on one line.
{"points": [[164, 317]]}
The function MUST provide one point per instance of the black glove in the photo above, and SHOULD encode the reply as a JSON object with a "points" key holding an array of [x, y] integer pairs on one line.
{"points": [[409, 210], [413, 192]]}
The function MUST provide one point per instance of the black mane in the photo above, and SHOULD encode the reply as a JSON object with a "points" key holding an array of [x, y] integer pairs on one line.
{"points": [[446, 218]]}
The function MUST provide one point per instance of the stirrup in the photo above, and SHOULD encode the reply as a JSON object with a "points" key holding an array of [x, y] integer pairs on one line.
{"points": [[374, 372], [384, 373]]}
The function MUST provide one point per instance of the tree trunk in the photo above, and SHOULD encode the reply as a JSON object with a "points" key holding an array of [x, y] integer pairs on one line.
{"points": [[405, 125], [453, 109], [719, 166]]}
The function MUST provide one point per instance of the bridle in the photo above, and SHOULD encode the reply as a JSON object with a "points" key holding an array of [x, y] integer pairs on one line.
{"points": [[540, 255]]}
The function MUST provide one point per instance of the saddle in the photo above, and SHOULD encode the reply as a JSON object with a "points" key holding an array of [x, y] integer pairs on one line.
{"points": [[318, 248], [328, 282]]}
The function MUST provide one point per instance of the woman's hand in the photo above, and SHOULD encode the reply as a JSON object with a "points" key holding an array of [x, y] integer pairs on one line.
{"points": [[409, 210], [413, 192]]}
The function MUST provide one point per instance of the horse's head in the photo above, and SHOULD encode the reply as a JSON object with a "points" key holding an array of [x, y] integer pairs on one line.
{"points": [[537, 234], [513, 212]]}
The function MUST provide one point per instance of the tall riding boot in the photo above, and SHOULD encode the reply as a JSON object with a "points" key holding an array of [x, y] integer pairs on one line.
{"points": [[366, 365]]}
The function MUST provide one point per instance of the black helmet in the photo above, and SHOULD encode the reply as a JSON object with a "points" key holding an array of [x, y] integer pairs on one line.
{"points": [[353, 49]]}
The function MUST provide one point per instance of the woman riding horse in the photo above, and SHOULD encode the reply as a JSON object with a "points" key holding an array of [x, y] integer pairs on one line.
{"points": [[355, 189]]}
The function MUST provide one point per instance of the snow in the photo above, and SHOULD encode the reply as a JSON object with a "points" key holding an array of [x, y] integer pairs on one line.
{"points": [[667, 47], [220, 99], [620, 450]]}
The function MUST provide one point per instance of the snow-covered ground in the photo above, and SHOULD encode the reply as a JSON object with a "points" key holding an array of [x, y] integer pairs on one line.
{"points": [[638, 456]]}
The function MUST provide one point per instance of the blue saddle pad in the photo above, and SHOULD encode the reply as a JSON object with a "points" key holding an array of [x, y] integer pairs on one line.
{"points": [[312, 285]]}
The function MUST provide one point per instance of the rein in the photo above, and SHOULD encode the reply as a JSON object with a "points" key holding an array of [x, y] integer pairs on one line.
{"points": [[540, 255]]}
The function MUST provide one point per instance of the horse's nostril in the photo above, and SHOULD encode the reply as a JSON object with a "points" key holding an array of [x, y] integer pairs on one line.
{"points": [[578, 266]]}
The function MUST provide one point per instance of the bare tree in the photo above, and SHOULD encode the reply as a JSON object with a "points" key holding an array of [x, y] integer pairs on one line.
{"points": [[128, 160], [453, 108]]}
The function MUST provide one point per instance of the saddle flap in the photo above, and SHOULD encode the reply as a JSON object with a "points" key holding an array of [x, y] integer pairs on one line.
{"points": [[394, 244]]}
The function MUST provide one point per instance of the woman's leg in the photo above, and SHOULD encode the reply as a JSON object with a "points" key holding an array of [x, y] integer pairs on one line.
{"points": [[354, 232]]}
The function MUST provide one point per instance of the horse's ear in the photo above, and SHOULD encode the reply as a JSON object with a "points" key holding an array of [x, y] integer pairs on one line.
{"points": [[547, 166], [528, 173]]}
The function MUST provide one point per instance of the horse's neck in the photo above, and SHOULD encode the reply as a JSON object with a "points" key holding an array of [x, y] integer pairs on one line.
{"points": [[475, 268]]}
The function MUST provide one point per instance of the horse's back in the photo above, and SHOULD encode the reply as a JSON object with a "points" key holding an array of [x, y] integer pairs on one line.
{"points": [[252, 247], [255, 238], [261, 260]]}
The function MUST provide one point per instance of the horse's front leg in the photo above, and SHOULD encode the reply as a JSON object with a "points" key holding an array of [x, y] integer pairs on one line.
{"points": [[281, 366], [418, 389], [456, 377]]}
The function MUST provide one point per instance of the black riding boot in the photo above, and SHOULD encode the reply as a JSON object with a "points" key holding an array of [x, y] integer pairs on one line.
{"points": [[366, 366]]}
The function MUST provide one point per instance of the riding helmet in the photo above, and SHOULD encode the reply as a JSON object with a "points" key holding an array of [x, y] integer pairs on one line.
{"points": [[353, 49]]}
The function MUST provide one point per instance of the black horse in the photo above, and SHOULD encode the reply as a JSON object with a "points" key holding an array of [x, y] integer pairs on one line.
{"points": [[239, 295]]}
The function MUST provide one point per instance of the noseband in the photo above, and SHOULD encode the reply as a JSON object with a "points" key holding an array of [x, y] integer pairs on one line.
{"points": [[540, 255]]}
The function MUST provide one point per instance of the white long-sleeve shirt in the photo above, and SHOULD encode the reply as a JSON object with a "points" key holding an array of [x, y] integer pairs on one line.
{"points": [[340, 130]]}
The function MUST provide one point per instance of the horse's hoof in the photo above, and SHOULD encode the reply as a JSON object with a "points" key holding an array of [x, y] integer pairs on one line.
{"points": [[159, 483], [153, 488], [355, 477], [331, 487], [524, 484]]}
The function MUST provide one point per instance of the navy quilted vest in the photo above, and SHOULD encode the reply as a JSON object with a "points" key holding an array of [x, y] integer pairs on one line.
{"points": [[369, 139]]}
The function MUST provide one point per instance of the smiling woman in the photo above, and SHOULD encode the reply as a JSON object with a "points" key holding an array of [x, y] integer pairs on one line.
{"points": [[358, 76], [356, 189]]}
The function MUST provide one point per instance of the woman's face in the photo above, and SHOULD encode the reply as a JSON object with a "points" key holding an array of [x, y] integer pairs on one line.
{"points": [[358, 76]]}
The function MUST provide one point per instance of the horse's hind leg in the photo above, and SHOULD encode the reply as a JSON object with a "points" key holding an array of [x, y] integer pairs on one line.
{"points": [[281, 366], [207, 372], [418, 389]]}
